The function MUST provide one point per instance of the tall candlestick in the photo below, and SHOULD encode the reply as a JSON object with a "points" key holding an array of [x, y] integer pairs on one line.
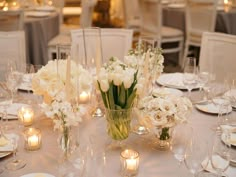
{"points": [[68, 77]]}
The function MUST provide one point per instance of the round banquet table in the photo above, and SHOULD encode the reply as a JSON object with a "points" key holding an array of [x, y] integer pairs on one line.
{"points": [[38, 31], [225, 21], [92, 133]]}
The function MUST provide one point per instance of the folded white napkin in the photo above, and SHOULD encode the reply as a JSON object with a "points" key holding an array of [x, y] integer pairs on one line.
{"points": [[6, 142], [12, 110]]}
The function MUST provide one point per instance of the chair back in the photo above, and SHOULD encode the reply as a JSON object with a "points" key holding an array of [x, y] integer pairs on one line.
{"points": [[11, 20], [115, 42], [12, 47], [200, 16], [87, 13], [217, 54], [151, 17], [132, 16]]}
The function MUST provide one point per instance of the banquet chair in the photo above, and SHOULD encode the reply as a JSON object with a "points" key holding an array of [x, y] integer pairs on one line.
{"points": [[132, 19], [217, 54], [12, 47], [11, 20], [200, 17], [64, 37], [170, 39], [115, 42]]}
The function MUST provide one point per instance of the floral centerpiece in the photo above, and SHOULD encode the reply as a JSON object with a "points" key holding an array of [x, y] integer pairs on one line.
{"points": [[59, 88], [118, 84], [163, 111]]}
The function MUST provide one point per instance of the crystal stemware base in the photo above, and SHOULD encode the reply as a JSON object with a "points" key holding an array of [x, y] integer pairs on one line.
{"points": [[15, 164]]}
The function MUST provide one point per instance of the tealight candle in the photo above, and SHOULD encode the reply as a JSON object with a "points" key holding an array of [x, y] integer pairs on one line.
{"points": [[32, 139], [129, 162], [84, 97], [26, 115]]}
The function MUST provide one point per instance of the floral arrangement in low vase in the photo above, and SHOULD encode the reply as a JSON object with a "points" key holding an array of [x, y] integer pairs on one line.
{"points": [[58, 82], [161, 112]]}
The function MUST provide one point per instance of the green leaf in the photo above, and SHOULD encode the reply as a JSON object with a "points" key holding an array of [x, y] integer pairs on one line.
{"points": [[122, 97], [130, 99], [111, 96]]}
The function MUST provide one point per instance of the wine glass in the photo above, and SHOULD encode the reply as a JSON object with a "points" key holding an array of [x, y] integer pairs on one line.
{"points": [[221, 102], [190, 74], [16, 163], [93, 59], [196, 152], [220, 155], [181, 137]]}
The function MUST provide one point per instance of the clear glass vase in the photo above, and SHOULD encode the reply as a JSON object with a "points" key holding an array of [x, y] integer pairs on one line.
{"points": [[118, 123], [65, 142], [163, 137]]}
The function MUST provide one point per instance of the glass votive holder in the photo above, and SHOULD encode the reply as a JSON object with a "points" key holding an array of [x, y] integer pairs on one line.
{"points": [[33, 139], [26, 116], [129, 162], [84, 97]]}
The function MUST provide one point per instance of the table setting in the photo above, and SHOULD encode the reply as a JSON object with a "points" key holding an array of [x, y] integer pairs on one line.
{"points": [[59, 132]]}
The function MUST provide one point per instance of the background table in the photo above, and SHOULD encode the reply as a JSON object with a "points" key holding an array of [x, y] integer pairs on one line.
{"points": [[38, 31], [225, 21], [153, 163]]}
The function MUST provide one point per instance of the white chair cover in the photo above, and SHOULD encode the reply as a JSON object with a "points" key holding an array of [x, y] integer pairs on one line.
{"points": [[12, 47], [87, 13], [115, 42], [218, 54], [200, 17], [11, 20]]}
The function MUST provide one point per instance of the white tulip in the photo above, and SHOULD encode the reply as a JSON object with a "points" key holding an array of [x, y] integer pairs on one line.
{"points": [[117, 79], [104, 84]]}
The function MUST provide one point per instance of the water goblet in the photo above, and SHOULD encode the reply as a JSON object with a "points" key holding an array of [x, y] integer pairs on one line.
{"points": [[16, 163], [220, 155], [181, 137], [193, 160], [190, 75]]}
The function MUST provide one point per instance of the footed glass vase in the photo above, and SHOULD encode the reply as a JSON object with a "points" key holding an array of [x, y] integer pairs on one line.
{"points": [[118, 123], [163, 137]]}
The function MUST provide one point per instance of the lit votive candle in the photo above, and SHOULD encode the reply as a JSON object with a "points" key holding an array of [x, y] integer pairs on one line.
{"points": [[32, 139], [84, 97], [129, 162], [26, 115]]}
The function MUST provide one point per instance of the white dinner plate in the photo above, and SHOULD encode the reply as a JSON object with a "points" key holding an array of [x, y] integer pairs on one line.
{"points": [[37, 14], [167, 91], [37, 175], [8, 146], [211, 108], [176, 5], [172, 80], [45, 8], [12, 110]]}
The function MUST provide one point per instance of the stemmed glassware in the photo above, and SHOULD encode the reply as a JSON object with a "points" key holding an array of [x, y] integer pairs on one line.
{"points": [[190, 74], [181, 137], [220, 155], [196, 152], [16, 163], [93, 60]]}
